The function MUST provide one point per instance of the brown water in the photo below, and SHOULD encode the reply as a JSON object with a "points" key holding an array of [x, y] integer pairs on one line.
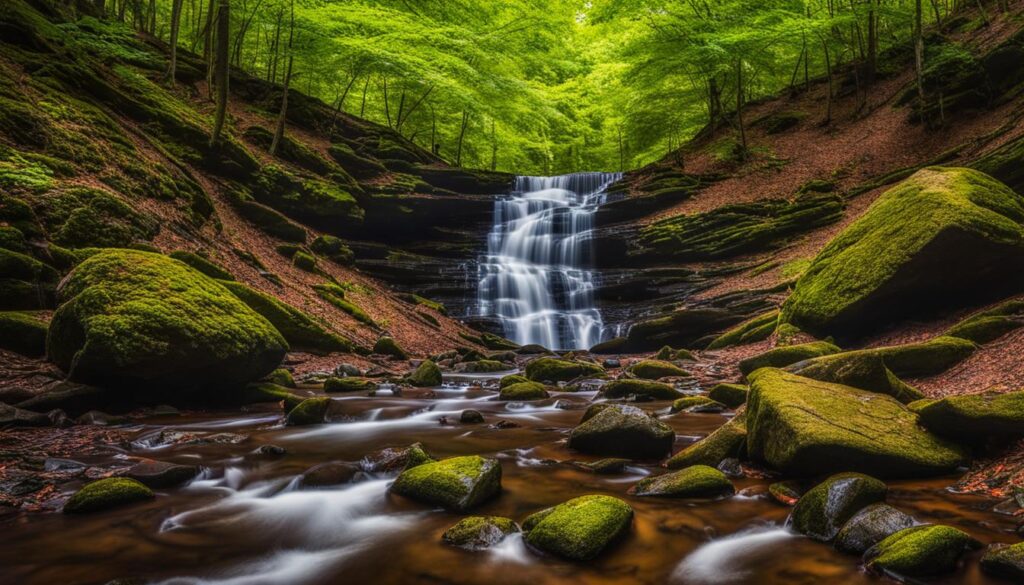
{"points": [[242, 522]]}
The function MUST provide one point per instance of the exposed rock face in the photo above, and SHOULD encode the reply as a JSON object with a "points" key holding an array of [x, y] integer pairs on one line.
{"points": [[806, 427], [580, 528], [952, 230], [459, 483], [826, 507], [623, 431]]}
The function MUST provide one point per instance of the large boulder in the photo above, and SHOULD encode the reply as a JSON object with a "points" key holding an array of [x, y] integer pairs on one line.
{"points": [[865, 370], [697, 481], [724, 442], [459, 483], [940, 239], [547, 369], [780, 357], [623, 431], [524, 391], [731, 395], [580, 528], [807, 427], [920, 551], [975, 416], [143, 321], [826, 507], [425, 375]]}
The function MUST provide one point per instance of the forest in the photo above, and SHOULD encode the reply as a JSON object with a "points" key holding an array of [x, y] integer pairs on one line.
{"points": [[593, 292]]}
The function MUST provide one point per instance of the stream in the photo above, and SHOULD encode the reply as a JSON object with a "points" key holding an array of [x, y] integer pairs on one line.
{"points": [[244, 520]]}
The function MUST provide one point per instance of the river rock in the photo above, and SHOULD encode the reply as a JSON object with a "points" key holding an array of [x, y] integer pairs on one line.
{"points": [[551, 370], [389, 347], [698, 481], [826, 507], [726, 441], [511, 379], [482, 367], [331, 473], [346, 369], [731, 395], [17, 417], [1005, 561], [623, 431], [426, 375], [973, 417], [393, 459], [311, 411], [806, 427], [640, 388], [162, 474], [471, 417], [479, 532], [655, 369], [579, 529], [696, 404], [96, 417], [787, 355], [349, 384], [459, 483], [920, 551], [870, 526], [608, 466], [865, 370], [281, 377], [524, 391], [107, 493], [787, 493]]}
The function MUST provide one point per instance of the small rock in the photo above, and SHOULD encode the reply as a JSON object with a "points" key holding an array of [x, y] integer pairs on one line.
{"points": [[479, 532], [346, 369], [95, 417], [870, 526], [786, 493], [609, 466], [524, 391], [392, 460], [731, 467], [162, 474], [826, 507], [329, 474], [610, 363], [270, 451], [623, 431], [1005, 561], [311, 411], [107, 493], [16, 417], [920, 551], [698, 481], [471, 417], [505, 424]]}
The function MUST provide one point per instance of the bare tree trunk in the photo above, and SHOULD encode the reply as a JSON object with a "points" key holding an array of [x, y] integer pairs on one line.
{"points": [[272, 76], [362, 107], [462, 135], [221, 70], [828, 71], [175, 29], [739, 106], [208, 46], [919, 52], [281, 119], [872, 45]]}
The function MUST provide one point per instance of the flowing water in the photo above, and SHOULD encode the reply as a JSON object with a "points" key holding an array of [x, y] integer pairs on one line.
{"points": [[245, 521], [535, 278]]}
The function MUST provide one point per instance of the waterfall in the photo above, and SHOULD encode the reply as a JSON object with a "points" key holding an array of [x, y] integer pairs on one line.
{"points": [[535, 278]]}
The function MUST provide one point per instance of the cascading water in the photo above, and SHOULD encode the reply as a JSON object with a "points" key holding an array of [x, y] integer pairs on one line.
{"points": [[534, 278]]}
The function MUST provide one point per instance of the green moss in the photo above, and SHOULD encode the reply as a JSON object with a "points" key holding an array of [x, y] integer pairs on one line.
{"points": [[629, 387], [826, 507], [201, 264], [426, 375], [511, 379], [82, 217], [125, 313], [107, 493], [23, 333], [388, 346], [281, 377], [864, 369], [547, 369], [926, 234], [298, 328], [524, 391], [496, 342], [926, 358], [580, 528], [479, 532], [335, 295], [1004, 561], [696, 404], [334, 249], [973, 417], [991, 324], [731, 395], [304, 261], [459, 483], [920, 551], [484, 367], [322, 203], [749, 331], [728, 440], [697, 481], [618, 430], [263, 392], [784, 356], [425, 302], [311, 411], [655, 369], [806, 427], [349, 385], [666, 353]]}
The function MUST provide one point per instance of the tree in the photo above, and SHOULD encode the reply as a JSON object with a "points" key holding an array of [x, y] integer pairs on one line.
{"points": [[175, 28], [283, 116], [220, 74]]}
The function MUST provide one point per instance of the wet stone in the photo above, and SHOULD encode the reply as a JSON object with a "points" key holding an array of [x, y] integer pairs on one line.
{"points": [[162, 474]]}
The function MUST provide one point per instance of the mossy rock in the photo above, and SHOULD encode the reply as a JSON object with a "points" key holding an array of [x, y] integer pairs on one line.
{"points": [[479, 532], [26, 283], [107, 493], [483, 367], [974, 417], [630, 387], [298, 328], [781, 357], [524, 391], [870, 526], [681, 328], [349, 385], [728, 440], [426, 375], [311, 411], [318, 202], [125, 316], [511, 379], [697, 404], [920, 551], [697, 481], [750, 331], [257, 392], [291, 150], [548, 369], [23, 333], [865, 370], [281, 377], [304, 261], [952, 230], [202, 265], [927, 358], [731, 395], [666, 353], [334, 249], [991, 324], [389, 347], [458, 484], [826, 507], [497, 342], [655, 369], [269, 220], [805, 427], [335, 295], [607, 466], [620, 430], [1006, 562], [579, 529]]}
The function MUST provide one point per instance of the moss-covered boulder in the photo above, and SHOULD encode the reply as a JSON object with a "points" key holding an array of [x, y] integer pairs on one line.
{"points": [[334, 249], [920, 551], [511, 379], [697, 481], [479, 532], [860, 369], [281, 377], [806, 427], [162, 474], [23, 333], [654, 369], [973, 417], [623, 431], [749, 331], [348, 384], [548, 369], [107, 493], [388, 346], [940, 239], [870, 526], [483, 367], [927, 358], [524, 391], [826, 507], [25, 283], [1006, 562], [728, 440], [990, 324], [580, 528], [142, 321], [458, 484], [630, 387], [696, 404], [731, 395], [426, 375], [311, 411], [781, 357]]}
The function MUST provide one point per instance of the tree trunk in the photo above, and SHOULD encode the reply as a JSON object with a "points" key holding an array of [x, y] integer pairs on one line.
{"points": [[221, 70], [175, 29], [872, 44], [362, 107], [211, 16], [828, 72], [387, 104], [622, 159], [462, 135], [739, 107], [919, 53], [282, 118], [494, 147]]}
